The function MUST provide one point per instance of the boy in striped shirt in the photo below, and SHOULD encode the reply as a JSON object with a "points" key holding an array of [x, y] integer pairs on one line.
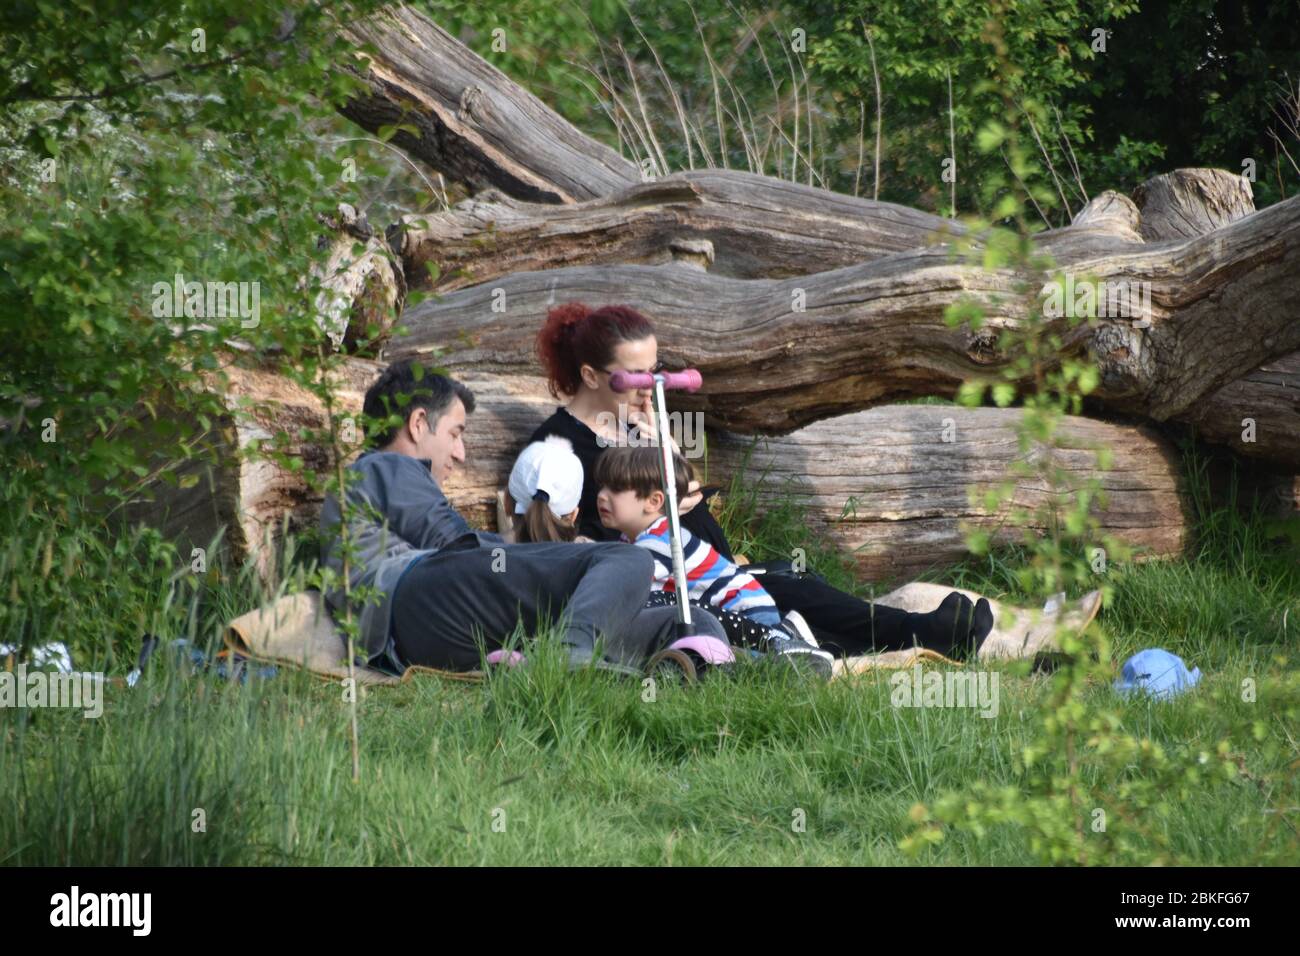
{"points": [[632, 500]]}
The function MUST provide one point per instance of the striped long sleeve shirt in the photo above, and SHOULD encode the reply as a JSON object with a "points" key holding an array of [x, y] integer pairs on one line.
{"points": [[711, 579]]}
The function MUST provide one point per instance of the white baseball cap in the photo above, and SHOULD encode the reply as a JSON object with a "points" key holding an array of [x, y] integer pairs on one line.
{"points": [[549, 467]]}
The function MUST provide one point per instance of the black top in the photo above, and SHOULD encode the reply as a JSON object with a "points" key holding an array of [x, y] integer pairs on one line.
{"points": [[588, 449]]}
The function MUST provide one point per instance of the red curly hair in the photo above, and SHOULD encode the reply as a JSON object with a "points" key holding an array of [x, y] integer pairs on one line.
{"points": [[575, 335]]}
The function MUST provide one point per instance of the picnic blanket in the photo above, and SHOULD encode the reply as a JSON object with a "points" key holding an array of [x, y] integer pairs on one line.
{"points": [[297, 630], [1018, 632]]}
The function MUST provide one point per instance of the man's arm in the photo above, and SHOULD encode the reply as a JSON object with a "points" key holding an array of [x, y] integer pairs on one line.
{"points": [[418, 511]]}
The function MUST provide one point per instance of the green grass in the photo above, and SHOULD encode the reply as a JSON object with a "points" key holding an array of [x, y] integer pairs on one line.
{"points": [[545, 767]]}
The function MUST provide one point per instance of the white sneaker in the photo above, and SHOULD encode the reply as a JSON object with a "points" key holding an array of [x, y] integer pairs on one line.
{"points": [[800, 626]]}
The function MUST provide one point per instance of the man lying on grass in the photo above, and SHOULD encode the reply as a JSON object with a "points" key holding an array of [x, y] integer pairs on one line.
{"points": [[450, 594]]}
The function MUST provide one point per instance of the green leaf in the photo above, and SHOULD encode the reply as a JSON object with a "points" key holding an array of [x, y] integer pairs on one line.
{"points": [[971, 393], [992, 136]]}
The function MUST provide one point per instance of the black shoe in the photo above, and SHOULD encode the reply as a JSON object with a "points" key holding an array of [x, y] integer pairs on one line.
{"points": [[981, 624]]}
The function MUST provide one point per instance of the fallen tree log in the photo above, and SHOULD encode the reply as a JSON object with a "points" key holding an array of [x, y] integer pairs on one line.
{"points": [[906, 487], [892, 486], [362, 287], [1258, 414], [487, 237], [760, 227], [252, 500], [471, 121], [777, 354], [478, 126], [1191, 202]]}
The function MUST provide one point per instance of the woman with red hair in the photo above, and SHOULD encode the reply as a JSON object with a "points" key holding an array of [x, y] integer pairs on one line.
{"points": [[580, 348]]}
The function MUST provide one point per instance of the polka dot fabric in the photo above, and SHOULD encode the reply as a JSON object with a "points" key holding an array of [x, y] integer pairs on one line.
{"points": [[741, 631]]}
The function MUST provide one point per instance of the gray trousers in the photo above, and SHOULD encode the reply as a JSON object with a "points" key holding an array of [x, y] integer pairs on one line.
{"points": [[452, 606]]}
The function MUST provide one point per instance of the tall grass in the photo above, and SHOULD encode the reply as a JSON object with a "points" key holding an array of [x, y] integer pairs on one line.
{"points": [[668, 122]]}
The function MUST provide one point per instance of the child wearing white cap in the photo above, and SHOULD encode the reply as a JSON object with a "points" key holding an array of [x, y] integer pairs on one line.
{"points": [[546, 484]]}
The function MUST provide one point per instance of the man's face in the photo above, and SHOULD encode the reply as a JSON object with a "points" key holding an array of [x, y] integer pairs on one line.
{"points": [[443, 445]]}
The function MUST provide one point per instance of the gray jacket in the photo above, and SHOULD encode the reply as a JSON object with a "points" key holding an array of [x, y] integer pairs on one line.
{"points": [[411, 518]]}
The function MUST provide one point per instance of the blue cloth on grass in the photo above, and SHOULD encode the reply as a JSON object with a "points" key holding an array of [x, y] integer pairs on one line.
{"points": [[1158, 672]]}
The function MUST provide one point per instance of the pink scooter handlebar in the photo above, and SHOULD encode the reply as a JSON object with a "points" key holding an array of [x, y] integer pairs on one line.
{"points": [[688, 380]]}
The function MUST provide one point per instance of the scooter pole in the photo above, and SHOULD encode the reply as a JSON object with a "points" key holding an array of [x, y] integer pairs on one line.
{"points": [[688, 380], [669, 475]]}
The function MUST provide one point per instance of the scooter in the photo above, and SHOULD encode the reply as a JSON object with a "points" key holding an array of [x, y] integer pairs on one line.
{"points": [[689, 654]]}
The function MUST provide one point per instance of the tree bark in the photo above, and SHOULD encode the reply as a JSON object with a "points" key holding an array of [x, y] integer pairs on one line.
{"points": [[1191, 202], [763, 226], [253, 499], [894, 487], [875, 332], [363, 288], [884, 485], [1258, 415], [904, 487], [760, 227], [1223, 308], [471, 121]]}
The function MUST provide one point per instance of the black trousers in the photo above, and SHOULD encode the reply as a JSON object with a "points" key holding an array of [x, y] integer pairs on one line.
{"points": [[846, 625], [843, 624], [453, 605]]}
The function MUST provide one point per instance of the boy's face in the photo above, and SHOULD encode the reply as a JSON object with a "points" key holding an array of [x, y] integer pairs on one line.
{"points": [[625, 512]]}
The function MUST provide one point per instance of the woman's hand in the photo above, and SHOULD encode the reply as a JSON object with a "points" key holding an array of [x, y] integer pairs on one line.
{"points": [[583, 539], [642, 417], [693, 498]]}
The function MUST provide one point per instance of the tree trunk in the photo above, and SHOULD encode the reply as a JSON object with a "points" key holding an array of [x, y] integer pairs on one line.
{"points": [[1191, 202], [903, 474], [1258, 414], [472, 122], [819, 306], [1223, 297], [879, 465], [362, 286], [753, 233], [760, 227], [895, 487], [252, 499], [777, 354]]}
